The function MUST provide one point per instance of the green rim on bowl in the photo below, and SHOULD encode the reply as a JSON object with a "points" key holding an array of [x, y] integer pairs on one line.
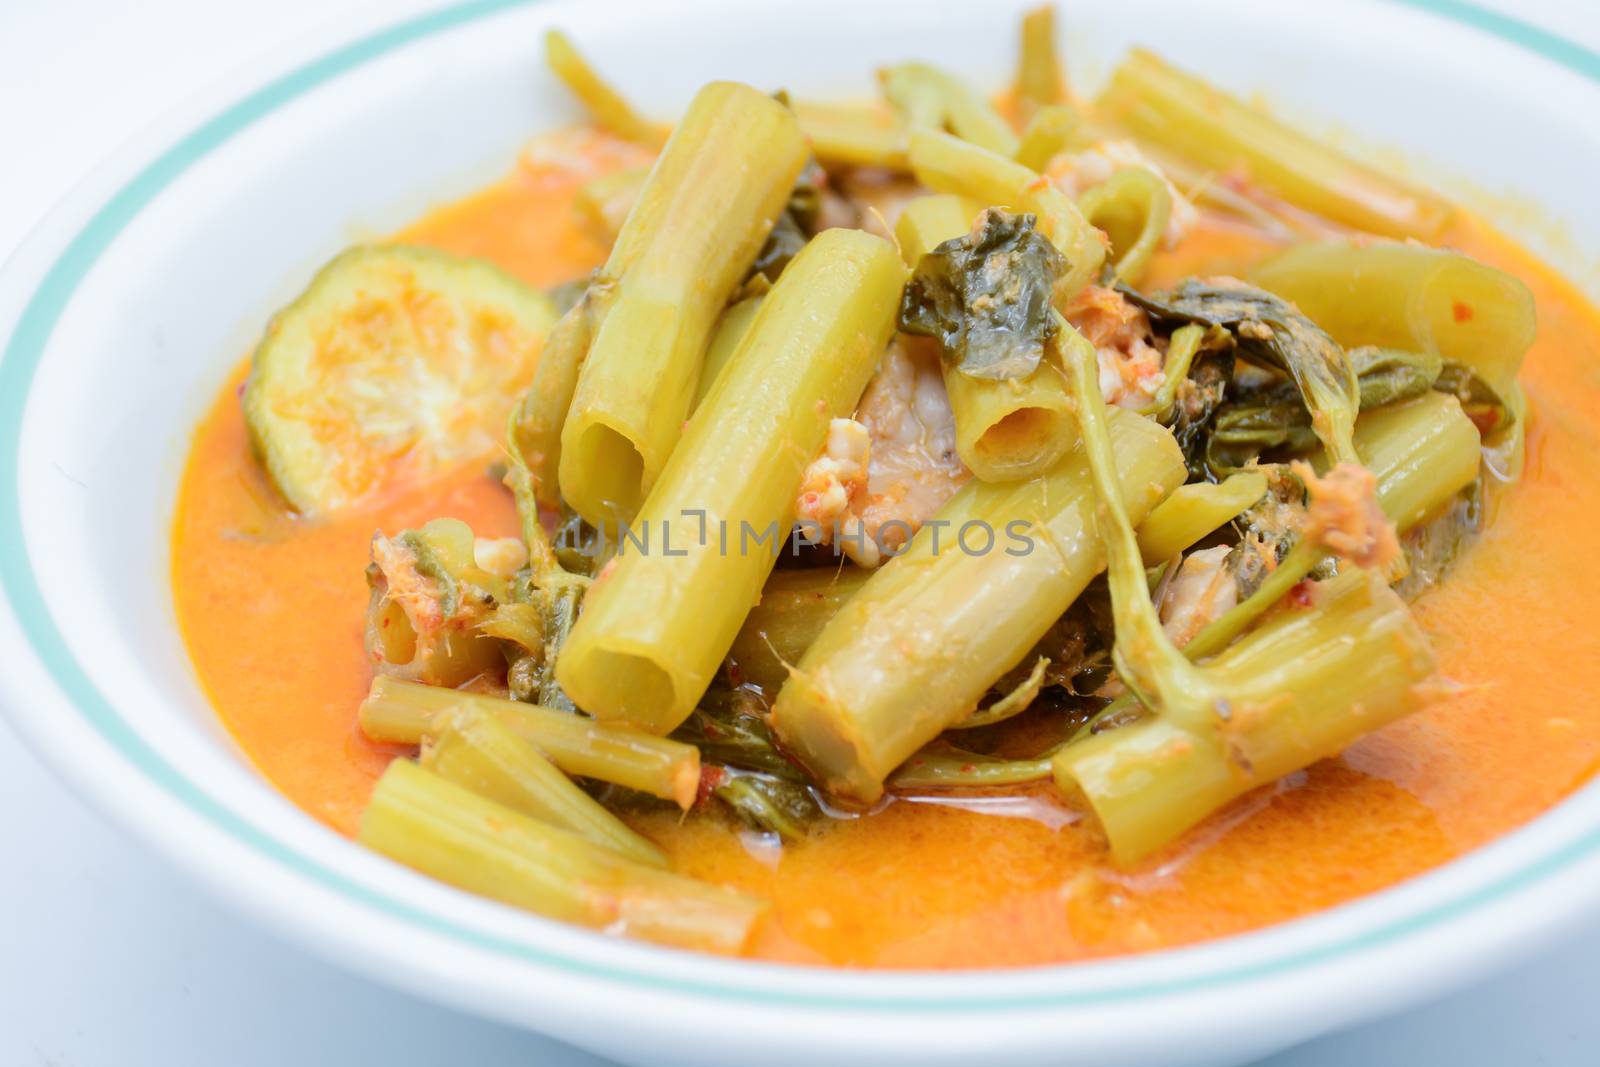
{"points": [[44, 308]]}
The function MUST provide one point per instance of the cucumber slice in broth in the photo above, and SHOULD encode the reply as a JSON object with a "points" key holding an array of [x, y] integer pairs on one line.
{"points": [[396, 363]]}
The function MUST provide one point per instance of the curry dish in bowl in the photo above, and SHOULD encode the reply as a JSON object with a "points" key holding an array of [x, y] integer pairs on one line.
{"points": [[952, 530]]}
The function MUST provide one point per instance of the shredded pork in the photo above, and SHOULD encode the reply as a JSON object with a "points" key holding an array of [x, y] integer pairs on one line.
{"points": [[882, 474], [1203, 589], [1343, 515], [1130, 362]]}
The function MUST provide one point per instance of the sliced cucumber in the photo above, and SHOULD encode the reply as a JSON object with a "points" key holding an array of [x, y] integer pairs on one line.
{"points": [[395, 363]]}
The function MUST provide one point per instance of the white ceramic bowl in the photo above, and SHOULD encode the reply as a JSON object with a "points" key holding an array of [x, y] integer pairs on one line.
{"points": [[128, 308]]}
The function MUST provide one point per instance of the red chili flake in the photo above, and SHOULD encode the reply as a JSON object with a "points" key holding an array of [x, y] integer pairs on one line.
{"points": [[1461, 312], [710, 778], [1301, 595], [1485, 421]]}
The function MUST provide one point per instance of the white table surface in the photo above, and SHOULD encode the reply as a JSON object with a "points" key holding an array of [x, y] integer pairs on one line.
{"points": [[110, 959]]}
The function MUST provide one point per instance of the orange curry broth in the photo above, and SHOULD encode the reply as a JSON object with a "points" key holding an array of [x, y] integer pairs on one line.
{"points": [[272, 610]]}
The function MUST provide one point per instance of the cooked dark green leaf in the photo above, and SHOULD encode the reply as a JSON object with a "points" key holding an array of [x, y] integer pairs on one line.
{"points": [[768, 803], [730, 728], [1248, 562], [795, 225], [985, 297], [524, 676], [1273, 332], [939, 765], [1077, 646], [783, 244], [1196, 404], [1389, 375], [1244, 431], [1276, 420], [578, 546], [1486, 408], [805, 199]]}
